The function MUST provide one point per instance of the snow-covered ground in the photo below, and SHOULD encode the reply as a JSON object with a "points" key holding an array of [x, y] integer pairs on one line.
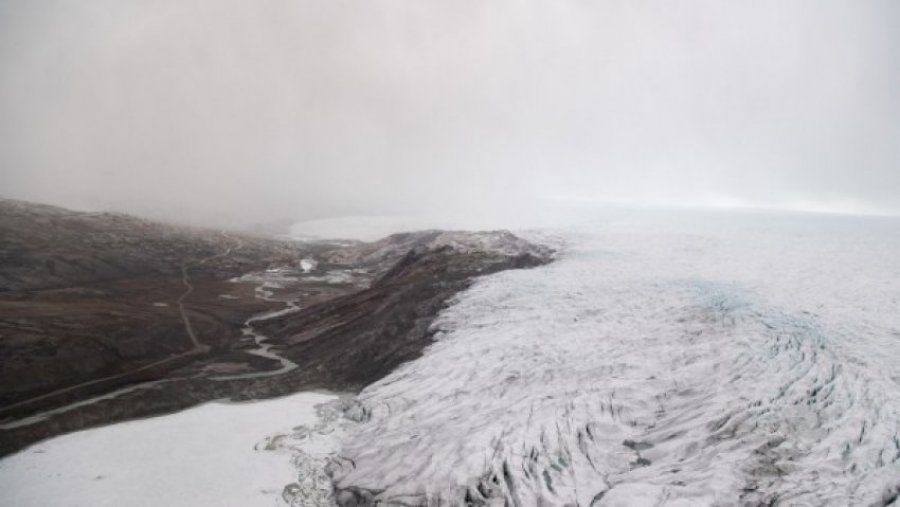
{"points": [[666, 358], [217, 454]]}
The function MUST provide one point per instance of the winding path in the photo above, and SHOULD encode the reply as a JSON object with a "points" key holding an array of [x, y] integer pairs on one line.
{"points": [[197, 348]]}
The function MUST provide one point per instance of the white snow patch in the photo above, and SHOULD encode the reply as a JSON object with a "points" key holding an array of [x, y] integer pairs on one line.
{"points": [[307, 265], [334, 276], [209, 455]]}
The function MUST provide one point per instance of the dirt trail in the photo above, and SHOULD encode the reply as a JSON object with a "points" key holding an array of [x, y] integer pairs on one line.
{"points": [[197, 346]]}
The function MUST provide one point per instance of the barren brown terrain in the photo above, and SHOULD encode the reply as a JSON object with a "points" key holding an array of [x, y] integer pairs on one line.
{"points": [[106, 317]]}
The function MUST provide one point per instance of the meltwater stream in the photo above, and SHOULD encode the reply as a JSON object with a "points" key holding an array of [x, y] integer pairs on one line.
{"points": [[679, 360], [267, 280]]}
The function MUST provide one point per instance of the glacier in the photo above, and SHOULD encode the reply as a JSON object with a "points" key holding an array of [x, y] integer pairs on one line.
{"points": [[664, 358]]}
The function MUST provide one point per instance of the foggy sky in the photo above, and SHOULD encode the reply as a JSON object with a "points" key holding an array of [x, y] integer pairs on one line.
{"points": [[244, 110]]}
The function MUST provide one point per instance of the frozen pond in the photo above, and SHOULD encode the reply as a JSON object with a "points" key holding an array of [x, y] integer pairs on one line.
{"points": [[210, 455]]}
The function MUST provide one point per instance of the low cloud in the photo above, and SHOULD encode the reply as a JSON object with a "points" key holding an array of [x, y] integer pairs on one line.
{"points": [[224, 111]]}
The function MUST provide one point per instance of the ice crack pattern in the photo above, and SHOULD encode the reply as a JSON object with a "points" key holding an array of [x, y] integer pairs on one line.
{"points": [[312, 448], [680, 360]]}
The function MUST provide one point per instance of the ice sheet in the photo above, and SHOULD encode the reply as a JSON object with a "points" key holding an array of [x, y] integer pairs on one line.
{"points": [[665, 358]]}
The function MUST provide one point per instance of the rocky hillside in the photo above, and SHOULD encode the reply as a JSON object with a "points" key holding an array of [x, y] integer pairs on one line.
{"points": [[91, 295], [92, 328], [45, 247], [353, 340]]}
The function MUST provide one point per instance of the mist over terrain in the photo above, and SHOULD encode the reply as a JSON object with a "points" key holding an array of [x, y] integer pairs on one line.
{"points": [[449, 252], [242, 112]]}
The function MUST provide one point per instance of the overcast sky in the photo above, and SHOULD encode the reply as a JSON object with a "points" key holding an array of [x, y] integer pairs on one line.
{"points": [[256, 110]]}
